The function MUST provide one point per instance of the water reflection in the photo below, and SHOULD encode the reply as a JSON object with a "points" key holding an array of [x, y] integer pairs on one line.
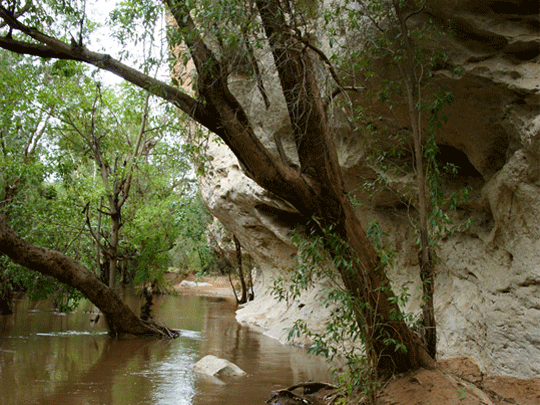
{"points": [[48, 358]]}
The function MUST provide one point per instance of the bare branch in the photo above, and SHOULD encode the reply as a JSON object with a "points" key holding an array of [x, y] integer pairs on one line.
{"points": [[34, 142], [257, 72], [101, 247], [413, 13], [338, 91]]}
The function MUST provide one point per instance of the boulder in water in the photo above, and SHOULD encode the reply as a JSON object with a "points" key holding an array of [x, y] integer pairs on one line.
{"points": [[214, 366]]}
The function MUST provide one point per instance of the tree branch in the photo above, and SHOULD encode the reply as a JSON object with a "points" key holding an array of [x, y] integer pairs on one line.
{"points": [[418, 11], [19, 13], [127, 185], [265, 168], [220, 113], [66, 270], [331, 68], [49, 47], [94, 236]]}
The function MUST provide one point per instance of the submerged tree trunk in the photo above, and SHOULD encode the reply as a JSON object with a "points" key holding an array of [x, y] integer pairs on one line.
{"points": [[120, 318], [6, 299]]}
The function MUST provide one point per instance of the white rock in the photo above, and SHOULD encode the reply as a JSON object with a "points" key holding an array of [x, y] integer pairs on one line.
{"points": [[216, 367]]}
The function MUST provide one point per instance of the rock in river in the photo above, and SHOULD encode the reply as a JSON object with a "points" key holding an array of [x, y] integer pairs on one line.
{"points": [[217, 367]]}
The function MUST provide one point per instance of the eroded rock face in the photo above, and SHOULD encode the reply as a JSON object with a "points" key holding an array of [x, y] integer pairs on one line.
{"points": [[487, 288]]}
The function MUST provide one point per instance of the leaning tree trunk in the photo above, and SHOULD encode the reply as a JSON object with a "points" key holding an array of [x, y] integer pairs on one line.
{"points": [[378, 313], [120, 318]]}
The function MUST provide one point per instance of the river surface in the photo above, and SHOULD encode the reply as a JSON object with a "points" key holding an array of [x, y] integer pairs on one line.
{"points": [[50, 358]]}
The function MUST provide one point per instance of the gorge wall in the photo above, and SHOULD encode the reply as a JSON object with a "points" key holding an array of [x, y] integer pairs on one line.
{"points": [[487, 288]]}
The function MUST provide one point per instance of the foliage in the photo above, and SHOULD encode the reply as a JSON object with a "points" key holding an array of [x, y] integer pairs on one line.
{"points": [[149, 167], [191, 253], [462, 392], [36, 209], [46, 116], [345, 336], [380, 65]]}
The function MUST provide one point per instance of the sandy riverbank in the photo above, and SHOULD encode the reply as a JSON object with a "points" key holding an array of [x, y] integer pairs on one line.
{"points": [[211, 286]]}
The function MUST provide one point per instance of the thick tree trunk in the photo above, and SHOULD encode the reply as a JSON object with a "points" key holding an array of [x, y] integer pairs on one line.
{"points": [[366, 281], [318, 189], [120, 318]]}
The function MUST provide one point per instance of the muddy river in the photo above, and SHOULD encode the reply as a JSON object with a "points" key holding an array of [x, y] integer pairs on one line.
{"points": [[50, 358]]}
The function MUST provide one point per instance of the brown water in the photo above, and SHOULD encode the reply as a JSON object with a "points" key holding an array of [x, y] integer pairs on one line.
{"points": [[53, 358]]}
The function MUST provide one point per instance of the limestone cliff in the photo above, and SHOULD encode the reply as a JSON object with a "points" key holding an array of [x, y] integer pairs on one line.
{"points": [[487, 289]]}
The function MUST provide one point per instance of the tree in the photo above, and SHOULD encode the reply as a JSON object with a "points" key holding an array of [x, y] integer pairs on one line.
{"points": [[120, 142], [26, 198], [47, 180], [316, 190], [192, 253], [120, 319], [412, 83], [402, 41]]}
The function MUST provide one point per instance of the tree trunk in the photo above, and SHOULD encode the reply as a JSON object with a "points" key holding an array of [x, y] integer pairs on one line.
{"points": [[120, 318], [318, 189], [6, 296], [366, 281], [6, 292], [412, 83], [243, 297], [113, 247], [123, 271]]}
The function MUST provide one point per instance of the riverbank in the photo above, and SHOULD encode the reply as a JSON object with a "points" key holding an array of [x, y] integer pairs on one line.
{"points": [[208, 286], [459, 381], [456, 381]]}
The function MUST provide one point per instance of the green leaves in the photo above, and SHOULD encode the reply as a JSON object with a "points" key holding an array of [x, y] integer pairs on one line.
{"points": [[53, 117], [66, 68], [191, 252], [350, 329]]}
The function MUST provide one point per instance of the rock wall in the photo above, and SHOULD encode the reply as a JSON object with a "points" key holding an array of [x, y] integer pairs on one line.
{"points": [[487, 291]]}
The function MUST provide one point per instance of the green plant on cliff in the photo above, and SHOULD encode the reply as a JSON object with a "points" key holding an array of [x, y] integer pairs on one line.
{"points": [[345, 337], [397, 67]]}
